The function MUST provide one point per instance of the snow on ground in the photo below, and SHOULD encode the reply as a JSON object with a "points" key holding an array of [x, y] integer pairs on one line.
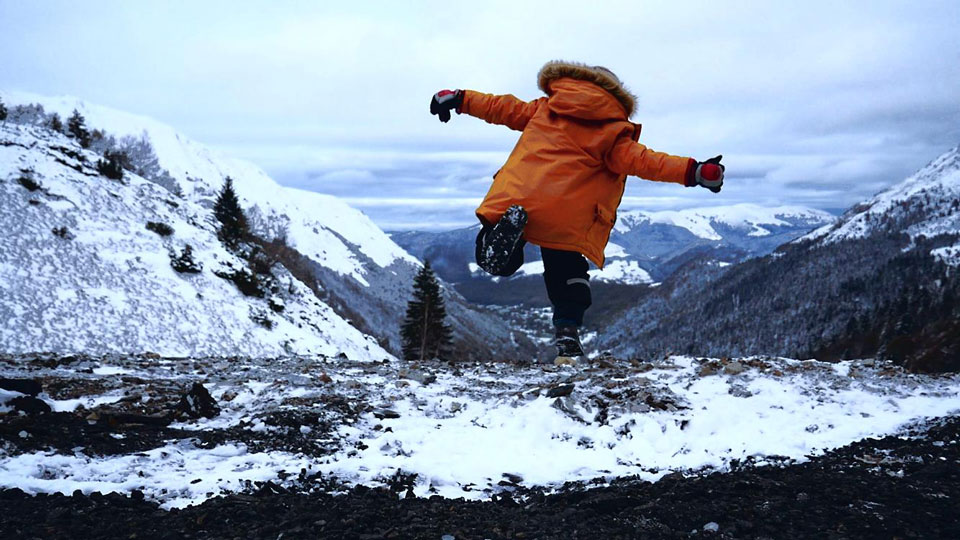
{"points": [[462, 433]]}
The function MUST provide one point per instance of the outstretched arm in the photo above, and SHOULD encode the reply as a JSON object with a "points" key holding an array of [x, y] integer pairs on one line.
{"points": [[505, 110], [634, 159]]}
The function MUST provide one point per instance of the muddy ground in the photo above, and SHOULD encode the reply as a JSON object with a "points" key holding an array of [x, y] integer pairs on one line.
{"points": [[896, 487]]}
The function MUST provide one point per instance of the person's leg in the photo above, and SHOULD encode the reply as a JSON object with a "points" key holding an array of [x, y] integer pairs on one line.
{"points": [[568, 285]]}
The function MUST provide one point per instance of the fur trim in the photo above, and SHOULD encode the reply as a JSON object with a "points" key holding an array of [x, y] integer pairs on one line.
{"points": [[557, 69]]}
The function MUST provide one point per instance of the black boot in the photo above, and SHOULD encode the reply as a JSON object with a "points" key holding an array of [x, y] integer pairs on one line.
{"points": [[501, 242], [567, 341]]}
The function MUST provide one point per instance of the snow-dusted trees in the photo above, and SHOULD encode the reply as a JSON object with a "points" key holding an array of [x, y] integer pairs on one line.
{"points": [[233, 223], [111, 165], [3, 111], [77, 128], [424, 333], [55, 123]]}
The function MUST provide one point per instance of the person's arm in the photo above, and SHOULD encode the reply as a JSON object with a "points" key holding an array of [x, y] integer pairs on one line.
{"points": [[634, 159], [505, 110]]}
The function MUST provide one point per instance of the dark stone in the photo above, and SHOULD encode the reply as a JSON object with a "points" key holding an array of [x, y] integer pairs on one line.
{"points": [[29, 387], [385, 413], [560, 390], [198, 403], [29, 405]]}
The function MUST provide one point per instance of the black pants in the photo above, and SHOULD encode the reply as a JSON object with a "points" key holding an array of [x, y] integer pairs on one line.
{"points": [[565, 274]]}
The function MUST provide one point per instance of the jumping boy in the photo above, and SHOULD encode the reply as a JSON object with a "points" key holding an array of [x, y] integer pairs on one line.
{"points": [[562, 184]]}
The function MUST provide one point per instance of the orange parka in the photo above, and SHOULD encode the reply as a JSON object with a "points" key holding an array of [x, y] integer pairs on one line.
{"points": [[569, 168]]}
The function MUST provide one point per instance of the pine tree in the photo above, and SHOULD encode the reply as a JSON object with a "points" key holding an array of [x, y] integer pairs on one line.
{"points": [[233, 223], [55, 123], [112, 165], [77, 128], [424, 332], [3, 111]]}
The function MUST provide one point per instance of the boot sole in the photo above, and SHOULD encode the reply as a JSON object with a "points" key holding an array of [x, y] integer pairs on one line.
{"points": [[503, 239]]}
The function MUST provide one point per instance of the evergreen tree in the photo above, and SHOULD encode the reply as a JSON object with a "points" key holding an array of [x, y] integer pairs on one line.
{"points": [[55, 123], [424, 333], [112, 165], [77, 128], [3, 111], [233, 223]]}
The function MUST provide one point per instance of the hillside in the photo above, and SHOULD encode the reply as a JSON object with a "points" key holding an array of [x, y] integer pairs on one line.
{"points": [[882, 281], [344, 263]]}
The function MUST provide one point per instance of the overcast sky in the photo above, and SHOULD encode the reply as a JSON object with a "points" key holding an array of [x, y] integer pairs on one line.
{"points": [[812, 103]]}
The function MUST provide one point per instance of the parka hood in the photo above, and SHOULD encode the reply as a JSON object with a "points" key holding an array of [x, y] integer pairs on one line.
{"points": [[558, 69]]}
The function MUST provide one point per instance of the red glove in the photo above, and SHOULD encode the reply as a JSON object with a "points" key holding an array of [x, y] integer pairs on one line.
{"points": [[445, 101], [709, 174]]}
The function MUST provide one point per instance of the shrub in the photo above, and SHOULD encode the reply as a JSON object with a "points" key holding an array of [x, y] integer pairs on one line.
{"points": [[160, 228], [248, 282], [185, 263], [3, 111], [26, 180], [62, 232], [262, 319], [112, 165]]}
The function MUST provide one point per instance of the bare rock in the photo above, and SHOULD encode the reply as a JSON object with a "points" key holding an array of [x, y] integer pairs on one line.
{"points": [[198, 403], [29, 387]]}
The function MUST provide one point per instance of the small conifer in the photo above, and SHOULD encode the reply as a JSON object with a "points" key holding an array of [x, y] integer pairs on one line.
{"points": [[233, 223], [424, 333], [77, 128]]}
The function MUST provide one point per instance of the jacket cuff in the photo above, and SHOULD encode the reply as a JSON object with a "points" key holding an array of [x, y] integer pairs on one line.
{"points": [[690, 177]]}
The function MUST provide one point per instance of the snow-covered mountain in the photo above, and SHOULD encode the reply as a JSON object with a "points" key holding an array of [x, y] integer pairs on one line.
{"points": [[106, 283], [644, 246], [927, 204], [879, 281]]}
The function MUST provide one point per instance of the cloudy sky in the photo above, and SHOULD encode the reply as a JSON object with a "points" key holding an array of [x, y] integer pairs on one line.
{"points": [[813, 103]]}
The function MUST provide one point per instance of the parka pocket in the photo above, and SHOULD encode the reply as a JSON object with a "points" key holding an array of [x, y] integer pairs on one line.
{"points": [[599, 231]]}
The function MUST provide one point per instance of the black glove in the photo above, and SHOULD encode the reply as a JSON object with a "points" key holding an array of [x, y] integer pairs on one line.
{"points": [[445, 101], [709, 174]]}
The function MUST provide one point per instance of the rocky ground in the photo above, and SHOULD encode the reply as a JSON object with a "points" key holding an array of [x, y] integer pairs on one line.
{"points": [[895, 487], [145, 447]]}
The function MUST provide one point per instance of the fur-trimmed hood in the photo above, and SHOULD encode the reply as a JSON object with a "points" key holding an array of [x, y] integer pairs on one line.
{"points": [[558, 69]]}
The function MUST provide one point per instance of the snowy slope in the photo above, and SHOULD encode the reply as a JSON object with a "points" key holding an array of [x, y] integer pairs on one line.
{"points": [[106, 283], [320, 226], [926, 203]]}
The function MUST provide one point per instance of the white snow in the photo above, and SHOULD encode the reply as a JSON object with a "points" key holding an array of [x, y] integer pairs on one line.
{"points": [[620, 271], [179, 474], [461, 434], [948, 254], [701, 221]]}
